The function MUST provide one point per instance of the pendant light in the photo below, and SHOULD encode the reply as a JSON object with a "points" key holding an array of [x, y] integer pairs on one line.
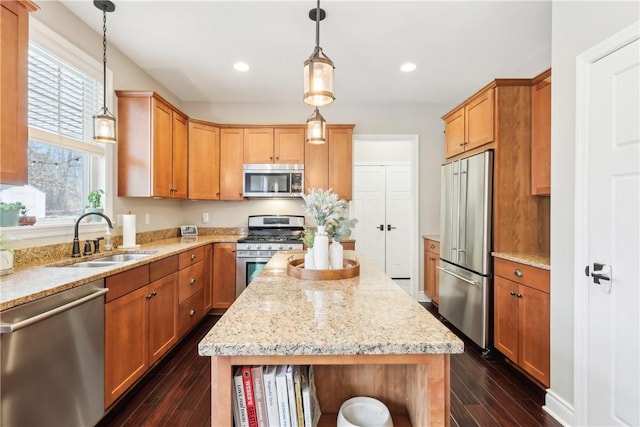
{"points": [[318, 69], [104, 123], [316, 128]]}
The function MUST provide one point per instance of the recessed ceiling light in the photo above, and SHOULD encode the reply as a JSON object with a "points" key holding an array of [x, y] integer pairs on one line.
{"points": [[241, 66], [408, 67]]}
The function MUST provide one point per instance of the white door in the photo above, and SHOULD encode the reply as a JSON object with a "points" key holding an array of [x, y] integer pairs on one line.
{"points": [[382, 203], [613, 236]]}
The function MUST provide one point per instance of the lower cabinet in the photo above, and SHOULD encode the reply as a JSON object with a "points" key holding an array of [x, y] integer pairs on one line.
{"points": [[191, 289], [140, 323], [224, 275], [431, 272], [521, 317]]}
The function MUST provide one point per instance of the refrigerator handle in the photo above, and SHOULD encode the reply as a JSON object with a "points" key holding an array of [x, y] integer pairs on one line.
{"points": [[462, 210], [444, 270]]}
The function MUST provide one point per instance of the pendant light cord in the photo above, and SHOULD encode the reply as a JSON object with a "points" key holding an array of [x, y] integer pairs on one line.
{"points": [[104, 59]]}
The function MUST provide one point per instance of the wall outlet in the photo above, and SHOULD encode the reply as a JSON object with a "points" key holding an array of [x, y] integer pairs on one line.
{"points": [[205, 217], [147, 218]]}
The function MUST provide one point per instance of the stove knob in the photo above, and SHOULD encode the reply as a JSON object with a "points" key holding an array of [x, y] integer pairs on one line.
{"points": [[290, 247], [248, 247], [281, 247], [269, 247], [258, 246]]}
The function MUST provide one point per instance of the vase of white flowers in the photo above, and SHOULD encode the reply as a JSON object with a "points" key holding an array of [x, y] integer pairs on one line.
{"points": [[322, 205]]}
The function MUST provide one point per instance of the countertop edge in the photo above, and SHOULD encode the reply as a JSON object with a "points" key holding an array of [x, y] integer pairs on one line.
{"points": [[538, 261]]}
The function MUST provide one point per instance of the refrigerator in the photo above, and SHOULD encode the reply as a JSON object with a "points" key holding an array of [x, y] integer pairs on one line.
{"points": [[465, 246]]}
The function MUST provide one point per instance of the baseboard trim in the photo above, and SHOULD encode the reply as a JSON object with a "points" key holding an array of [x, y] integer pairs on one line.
{"points": [[559, 408], [422, 297]]}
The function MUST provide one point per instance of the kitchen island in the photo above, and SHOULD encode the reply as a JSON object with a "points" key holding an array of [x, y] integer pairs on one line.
{"points": [[364, 336]]}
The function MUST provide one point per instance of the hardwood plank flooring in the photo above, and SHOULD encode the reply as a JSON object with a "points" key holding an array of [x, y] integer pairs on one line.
{"points": [[177, 391]]}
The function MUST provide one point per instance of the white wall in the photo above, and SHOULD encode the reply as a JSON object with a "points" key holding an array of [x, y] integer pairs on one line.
{"points": [[576, 26]]}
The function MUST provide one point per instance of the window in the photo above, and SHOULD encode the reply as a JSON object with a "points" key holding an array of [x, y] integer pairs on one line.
{"points": [[65, 90]]}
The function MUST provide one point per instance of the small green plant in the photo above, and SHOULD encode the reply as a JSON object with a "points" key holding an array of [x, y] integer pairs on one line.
{"points": [[339, 228], [11, 206], [308, 236], [95, 199]]}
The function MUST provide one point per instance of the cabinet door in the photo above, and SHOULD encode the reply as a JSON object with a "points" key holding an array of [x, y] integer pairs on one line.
{"points": [[534, 333], [208, 276], [13, 93], [316, 165], [126, 342], [454, 133], [541, 138], [231, 155], [288, 145], [341, 162], [179, 157], [204, 161], [258, 145], [190, 281], [479, 120], [163, 316], [224, 275], [505, 317], [162, 149]]}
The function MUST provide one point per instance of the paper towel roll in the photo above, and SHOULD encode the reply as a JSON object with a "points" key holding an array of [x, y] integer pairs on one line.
{"points": [[128, 231]]}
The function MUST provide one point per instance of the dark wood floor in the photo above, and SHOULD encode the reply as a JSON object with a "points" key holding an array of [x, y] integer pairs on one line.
{"points": [[177, 391]]}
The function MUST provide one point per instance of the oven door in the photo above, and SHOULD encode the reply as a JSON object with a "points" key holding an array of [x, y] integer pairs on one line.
{"points": [[247, 268]]}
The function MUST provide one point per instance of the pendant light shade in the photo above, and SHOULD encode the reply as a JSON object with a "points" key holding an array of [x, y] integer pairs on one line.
{"points": [[316, 128], [318, 69], [104, 123]]}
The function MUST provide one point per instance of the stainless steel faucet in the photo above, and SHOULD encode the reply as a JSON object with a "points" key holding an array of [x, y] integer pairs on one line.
{"points": [[76, 242]]}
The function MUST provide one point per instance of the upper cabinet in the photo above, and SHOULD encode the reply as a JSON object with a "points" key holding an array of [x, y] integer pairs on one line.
{"points": [[274, 145], [152, 146], [204, 161], [231, 157], [470, 125], [14, 43], [541, 134], [330, 165]]}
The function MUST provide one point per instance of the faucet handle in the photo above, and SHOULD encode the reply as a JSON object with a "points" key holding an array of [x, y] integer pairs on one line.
{"points": [[87, 247]]}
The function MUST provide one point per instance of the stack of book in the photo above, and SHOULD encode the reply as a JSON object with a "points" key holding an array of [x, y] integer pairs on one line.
{"points": [[275, 396]]}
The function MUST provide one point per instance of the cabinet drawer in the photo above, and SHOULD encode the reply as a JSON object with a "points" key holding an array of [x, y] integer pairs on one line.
{"points": [[190, 312], [191, 257], [122, 283], [432, 246], [163, 267], [190, 281], [534, 277]]}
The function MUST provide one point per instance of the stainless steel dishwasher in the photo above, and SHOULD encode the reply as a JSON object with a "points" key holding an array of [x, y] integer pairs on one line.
{"points": [[53, 359]]}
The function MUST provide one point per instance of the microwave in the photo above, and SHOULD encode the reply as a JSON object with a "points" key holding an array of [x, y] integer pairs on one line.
{"points": [[272, 180]]}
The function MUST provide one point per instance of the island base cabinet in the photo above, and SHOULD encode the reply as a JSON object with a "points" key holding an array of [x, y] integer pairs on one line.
{"points": [[415, 388]]}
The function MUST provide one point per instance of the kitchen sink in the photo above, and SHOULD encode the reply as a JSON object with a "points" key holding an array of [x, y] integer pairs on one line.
{"points": [[106, 261]]}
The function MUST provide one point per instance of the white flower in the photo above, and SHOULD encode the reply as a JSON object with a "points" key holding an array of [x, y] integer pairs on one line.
{"points": [[322, 205]]}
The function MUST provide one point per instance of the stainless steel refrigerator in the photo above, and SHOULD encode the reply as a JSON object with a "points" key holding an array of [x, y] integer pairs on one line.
{"points": [[465, 246]]}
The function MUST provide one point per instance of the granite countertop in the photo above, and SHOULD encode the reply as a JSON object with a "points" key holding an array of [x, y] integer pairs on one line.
{"points": [[32, 283], [369, 314], [539, 261], [435, 237]]}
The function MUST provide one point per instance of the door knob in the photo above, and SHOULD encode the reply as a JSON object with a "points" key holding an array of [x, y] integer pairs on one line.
{"points": [[380, 227], [389, 227]]}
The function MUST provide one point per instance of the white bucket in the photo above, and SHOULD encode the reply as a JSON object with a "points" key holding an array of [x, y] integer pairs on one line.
{"points": [[364, 412]]}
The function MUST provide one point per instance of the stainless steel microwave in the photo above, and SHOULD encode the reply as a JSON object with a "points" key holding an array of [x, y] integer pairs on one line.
{"points": [[273, 180]]}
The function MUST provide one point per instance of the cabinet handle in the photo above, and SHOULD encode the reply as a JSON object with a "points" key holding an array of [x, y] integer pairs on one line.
{"points": [[519, 295], [192, 312], [512, 293], [192, 281], [432, 246], [462, 144], [518, 272], [193, 256]]}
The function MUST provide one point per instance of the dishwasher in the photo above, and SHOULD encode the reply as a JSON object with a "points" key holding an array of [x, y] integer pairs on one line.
{"points": [[52, 371]]}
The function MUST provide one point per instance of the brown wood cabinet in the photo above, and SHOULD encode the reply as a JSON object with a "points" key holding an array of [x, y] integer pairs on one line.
{"points": [[522, 317], [14, 44], [204, 161], [224, 275], [231, 158], [288, 145], [140, 323], [330, 165], [470, 125], [208, 277], [258, 145], [431, 272], [152, 146], [541, 134], [191, 282]]}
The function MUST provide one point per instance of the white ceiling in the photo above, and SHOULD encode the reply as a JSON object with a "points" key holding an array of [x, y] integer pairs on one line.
{"points": [[458, 46]]}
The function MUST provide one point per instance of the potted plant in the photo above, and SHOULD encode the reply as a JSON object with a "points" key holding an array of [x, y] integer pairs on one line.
{"points": [[9, 213], [338, 229], [95, 204], [25, 219], [6, 258]]}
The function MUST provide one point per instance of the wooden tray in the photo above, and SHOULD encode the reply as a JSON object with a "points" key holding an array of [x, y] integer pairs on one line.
{"points": [[295, 268]]}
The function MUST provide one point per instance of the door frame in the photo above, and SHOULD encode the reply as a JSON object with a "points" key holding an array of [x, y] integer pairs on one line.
{"points": [[584, 62], [414, 140]]}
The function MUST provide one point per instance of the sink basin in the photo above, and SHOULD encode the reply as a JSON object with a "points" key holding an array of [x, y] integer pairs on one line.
{"points": [[107, 261]]}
